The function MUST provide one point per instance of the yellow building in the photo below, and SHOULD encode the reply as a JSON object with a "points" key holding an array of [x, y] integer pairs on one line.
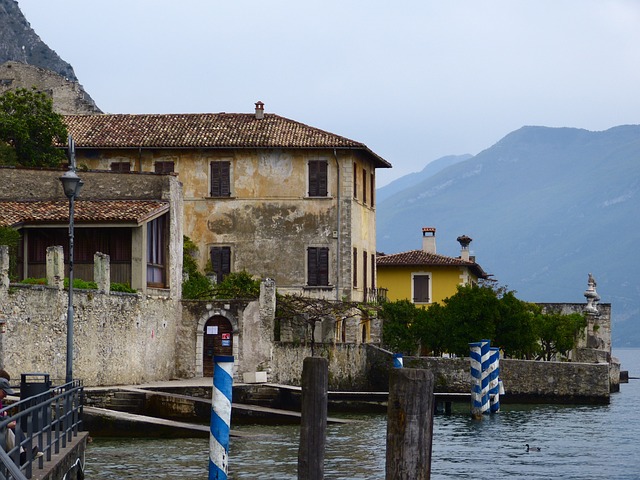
{"points": [[262, 193], [425, 277]]}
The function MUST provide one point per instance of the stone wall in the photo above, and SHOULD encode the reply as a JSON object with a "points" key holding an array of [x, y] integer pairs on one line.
{"points": [[118, 338], [347, 364], [69, 97], [364, 367]]}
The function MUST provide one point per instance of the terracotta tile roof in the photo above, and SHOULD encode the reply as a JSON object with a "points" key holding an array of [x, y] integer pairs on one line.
{"points": [[14, 213], [422, 258], [205, 130]]}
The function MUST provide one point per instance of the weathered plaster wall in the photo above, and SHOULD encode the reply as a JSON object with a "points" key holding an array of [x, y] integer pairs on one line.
{"points": [[269, 208], [118, 338]]}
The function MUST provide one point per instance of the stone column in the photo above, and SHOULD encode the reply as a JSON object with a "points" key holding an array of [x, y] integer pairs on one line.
{"points": [[4, 269], [102, 271], [55, 267]]}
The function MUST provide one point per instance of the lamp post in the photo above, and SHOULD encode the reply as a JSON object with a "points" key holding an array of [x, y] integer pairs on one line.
{"points": [[71, 184]]}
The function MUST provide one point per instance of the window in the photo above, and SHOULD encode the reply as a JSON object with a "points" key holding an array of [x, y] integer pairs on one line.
{"points": [[364, 186], [355, 267], [373, 188], [373, 271], [421, 288], [355, 180], [318, 178], [317, 266], [364, 269], [122, 167], [156, 252], [220, 179], [164, 167], [221, 262]]}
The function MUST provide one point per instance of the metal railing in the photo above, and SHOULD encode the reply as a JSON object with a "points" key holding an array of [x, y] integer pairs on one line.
{"points": [[375, 295], [47, 421]]}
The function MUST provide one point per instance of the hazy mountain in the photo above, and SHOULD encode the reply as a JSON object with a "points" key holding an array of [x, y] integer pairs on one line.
{"points": [[544, 206], [20, 43], [414, 178]]}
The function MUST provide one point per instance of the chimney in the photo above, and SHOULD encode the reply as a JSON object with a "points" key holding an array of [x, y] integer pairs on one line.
{"points": [[464, 244], [259, 110], [429, 239]]}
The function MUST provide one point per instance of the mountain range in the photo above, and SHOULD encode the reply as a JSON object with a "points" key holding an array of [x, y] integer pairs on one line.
{"points": [[544, 206], [19, 42]]}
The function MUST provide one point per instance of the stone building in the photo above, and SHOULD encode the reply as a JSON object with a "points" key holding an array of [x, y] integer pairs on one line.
{"points": [[262, 193], [68, 95]]}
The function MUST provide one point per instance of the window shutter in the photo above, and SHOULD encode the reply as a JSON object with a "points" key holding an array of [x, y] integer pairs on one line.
{"points": [[220, 179], [221, 261], [317, 178], [312, 266], [323, 266], [355, 267], [421, 288], [317, 266]]}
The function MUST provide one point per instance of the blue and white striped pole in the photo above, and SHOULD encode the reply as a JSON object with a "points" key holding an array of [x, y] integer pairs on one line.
{"points": [[486, 365], [220, 417], [494, 380], [397, 360], [475, 355]]}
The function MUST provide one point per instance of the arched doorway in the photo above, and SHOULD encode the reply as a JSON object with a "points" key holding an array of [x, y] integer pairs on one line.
{"points": [[217, 340]]}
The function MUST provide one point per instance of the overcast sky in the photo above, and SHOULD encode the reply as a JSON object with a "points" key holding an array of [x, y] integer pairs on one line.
{"points": [[413, 80]]}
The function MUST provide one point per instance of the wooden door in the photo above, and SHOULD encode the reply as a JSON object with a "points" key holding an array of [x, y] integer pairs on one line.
{"points": [[218, 340]]}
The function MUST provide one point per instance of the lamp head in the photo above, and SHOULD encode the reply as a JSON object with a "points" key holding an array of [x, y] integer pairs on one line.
{"points": [[71, 184]]}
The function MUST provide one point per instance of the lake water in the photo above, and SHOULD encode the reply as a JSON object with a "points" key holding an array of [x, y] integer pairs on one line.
{"points": [[577, 442]]}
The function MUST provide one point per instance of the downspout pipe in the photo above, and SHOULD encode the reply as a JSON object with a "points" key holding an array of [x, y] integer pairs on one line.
{"points": [[338, 248]]}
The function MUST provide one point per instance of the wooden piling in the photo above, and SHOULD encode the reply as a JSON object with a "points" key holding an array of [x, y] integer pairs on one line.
{"points": [[313, 425], [409, 424]]}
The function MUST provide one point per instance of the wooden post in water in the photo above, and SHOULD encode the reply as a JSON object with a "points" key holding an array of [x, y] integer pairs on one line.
{"points": [[313, 426], [409, 424]]}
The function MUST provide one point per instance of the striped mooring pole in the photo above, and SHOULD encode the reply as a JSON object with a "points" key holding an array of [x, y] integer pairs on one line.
{"points": [[397, 360], [220, 417], [494, 380], [479, 358]]}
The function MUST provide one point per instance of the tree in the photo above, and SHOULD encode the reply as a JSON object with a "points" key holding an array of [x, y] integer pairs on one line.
{"points": [[515, 327], [399, 326], [29, 128], [558, 333], [469, 316]]}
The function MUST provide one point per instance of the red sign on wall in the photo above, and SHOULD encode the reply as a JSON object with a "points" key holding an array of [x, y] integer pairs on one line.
{"points": [[226, 336]]}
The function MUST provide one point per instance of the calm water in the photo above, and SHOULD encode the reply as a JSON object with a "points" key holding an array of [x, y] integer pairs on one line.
{"points": [[584, 442]]}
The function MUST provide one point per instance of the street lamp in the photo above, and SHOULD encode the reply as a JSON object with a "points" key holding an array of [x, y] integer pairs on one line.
{"points": [[71, 184]]}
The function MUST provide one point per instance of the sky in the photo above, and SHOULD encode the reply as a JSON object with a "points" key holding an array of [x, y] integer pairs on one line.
{"points": [[413, 80]]}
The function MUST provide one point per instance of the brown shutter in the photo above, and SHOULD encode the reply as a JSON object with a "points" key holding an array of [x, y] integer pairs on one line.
{"points": [[421, 288]]}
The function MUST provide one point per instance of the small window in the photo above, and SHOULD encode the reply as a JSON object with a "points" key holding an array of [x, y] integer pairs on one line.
{"points": [[364, 186], [318, 178], [373, 271], [220, 179], [163, 167], [355, 180], [364, 269], [373, 188], [421, 285], [122, 167], [156, 252], [355, 267], [317, 266], [221, 262]]}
